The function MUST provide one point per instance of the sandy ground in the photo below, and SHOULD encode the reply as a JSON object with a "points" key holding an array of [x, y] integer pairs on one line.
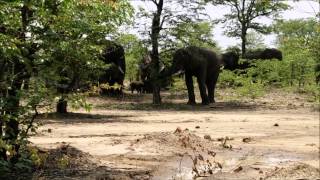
{"points": [[274, 137]]}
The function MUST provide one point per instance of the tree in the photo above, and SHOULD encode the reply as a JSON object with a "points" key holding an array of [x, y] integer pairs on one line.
{"points": [[244, 15], [75, 35], [255, 41], [41, 44], [134, 52], [194, 34], [299, 39], [166, 15]]}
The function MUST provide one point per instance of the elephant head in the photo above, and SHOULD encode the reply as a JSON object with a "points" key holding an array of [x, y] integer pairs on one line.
{"points": [[179, 63], [230, 60], [113, 55]]}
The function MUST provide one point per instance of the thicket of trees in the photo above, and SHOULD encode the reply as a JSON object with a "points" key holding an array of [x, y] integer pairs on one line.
{"points": [[51, 48], [47, 49]]}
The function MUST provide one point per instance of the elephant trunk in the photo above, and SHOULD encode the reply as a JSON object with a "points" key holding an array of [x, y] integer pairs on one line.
{"points": [[169, 71]]}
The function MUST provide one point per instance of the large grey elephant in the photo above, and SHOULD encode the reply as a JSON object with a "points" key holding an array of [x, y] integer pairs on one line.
{"points": [[114, 56], [201, 63], [231, 59]]}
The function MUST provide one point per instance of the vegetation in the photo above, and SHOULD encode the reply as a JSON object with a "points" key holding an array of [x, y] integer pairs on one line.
{"points": [[47, 49], [243, 16], [50, 51], [167, 16]]}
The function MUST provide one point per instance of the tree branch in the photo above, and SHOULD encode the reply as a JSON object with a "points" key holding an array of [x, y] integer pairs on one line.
{"points": [[155, 2]]}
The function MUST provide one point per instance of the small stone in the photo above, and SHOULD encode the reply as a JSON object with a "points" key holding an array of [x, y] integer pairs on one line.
{"points": [[178, 130], [197, 127], [207, 137], [238, 169], [49, 130], [246, 140], [220, 139], [276, 124]]}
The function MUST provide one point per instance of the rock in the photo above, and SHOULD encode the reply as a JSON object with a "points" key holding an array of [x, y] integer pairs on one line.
{"points": [[207, 137], [276, 124], [238, 169], [220, 139], [247, 139], [178, 130], [197, 127]]}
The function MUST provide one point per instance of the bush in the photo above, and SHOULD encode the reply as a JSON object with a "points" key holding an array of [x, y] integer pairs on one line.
{"points": [[178, 85]]}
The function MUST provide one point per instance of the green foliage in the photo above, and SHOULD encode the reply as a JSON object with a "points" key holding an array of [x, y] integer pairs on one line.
{"points": [[299, 42], [244, 13], [290, 73], [243, 16], [193, 34], [255, 41], [44, 46], [178, 85], [134, 52], [250, 89], [244, 84], [229, 79]]}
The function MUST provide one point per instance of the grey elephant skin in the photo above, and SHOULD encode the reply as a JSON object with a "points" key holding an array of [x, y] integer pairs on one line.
{"points": [[201, 63], [136, 86], [114, 56], [231, 59]]}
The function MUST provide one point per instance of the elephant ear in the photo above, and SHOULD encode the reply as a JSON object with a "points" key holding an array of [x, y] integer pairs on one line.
{"points": [[182, 54]]}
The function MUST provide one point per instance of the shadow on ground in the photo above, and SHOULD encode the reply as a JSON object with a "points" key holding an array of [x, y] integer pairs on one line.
{"points": [[219, 106], [70, 118], [67, 162]]}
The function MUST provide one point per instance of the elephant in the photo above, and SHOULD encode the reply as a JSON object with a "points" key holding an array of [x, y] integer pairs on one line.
{"points": [[231, 59], [145, 69], [147, 86], [201, 63], [114, 56], [268, 53], [136, 86], [113, 74]]}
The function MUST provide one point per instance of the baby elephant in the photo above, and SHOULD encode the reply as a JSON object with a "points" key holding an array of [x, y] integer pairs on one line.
{"points": [[136, 86]]}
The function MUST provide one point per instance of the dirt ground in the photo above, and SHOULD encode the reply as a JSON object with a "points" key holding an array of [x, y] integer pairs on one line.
{"points": [[272, 137]]}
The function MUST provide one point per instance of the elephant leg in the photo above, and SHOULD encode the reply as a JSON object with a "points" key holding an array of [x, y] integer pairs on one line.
{"points": [[211, 84], [203, 90], [189, 83], [210, 91]]}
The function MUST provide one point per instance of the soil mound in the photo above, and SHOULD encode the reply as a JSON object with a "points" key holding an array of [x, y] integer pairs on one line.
{"points": [[295, 171], [175, 143]]}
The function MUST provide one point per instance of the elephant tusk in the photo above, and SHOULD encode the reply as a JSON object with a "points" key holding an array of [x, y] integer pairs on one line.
{"points": [[178, 73], [120, 69]]}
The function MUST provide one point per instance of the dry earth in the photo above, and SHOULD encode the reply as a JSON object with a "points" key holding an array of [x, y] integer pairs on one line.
{"points": [[273, 137]]}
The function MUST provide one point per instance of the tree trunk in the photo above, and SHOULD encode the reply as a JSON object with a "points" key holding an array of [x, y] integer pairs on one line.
{"points": [[243, 38], [155, 31], [243, 44]]}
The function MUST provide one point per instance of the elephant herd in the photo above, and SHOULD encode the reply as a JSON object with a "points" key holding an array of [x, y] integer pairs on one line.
{"points": [[201, 63]]}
